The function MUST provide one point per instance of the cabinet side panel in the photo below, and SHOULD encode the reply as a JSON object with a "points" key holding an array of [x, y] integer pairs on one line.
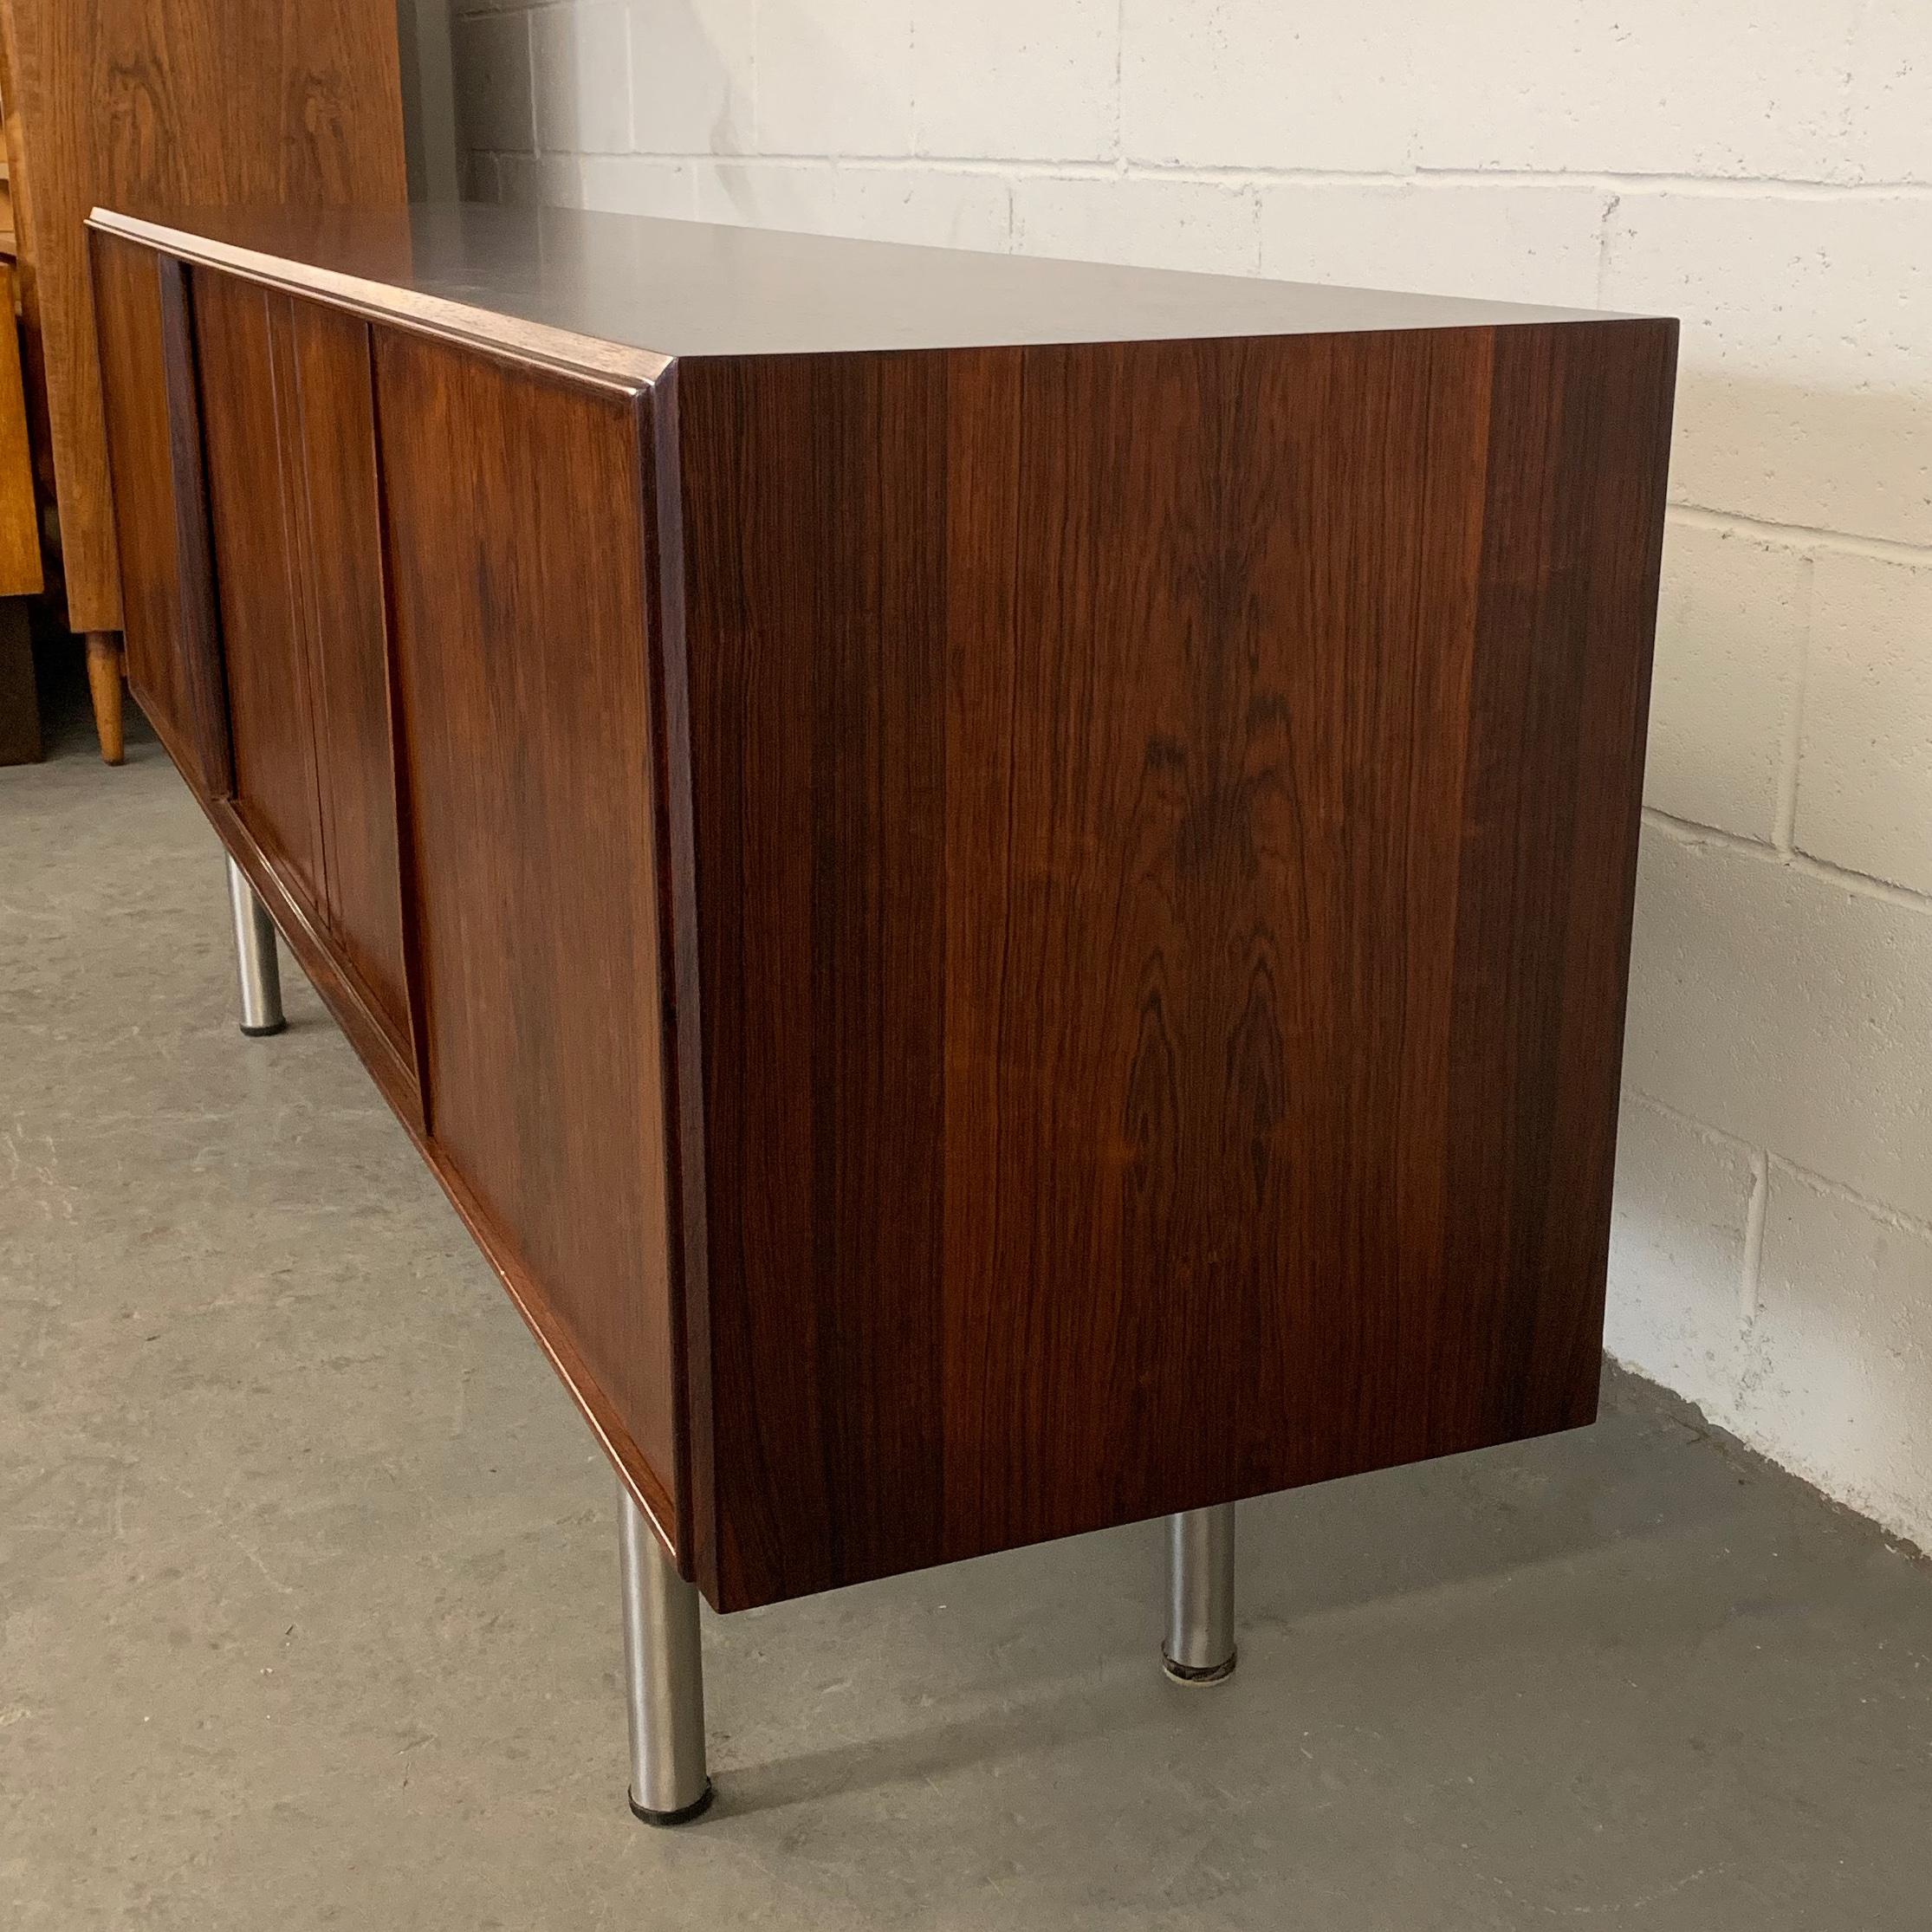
{"points": [[517, 553], [154, 437], [1161, 820], [1573, 538], [814, 583]]}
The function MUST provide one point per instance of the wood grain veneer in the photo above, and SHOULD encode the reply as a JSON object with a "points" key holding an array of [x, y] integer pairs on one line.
{"points": [[242, 340], [334, 513], [20, 564], [1164, 822], [289, 422], [997, 936], [153, 417], [519, 636]]}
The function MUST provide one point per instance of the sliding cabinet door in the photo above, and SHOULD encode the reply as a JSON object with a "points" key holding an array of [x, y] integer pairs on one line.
{"points": [[330, 442], [154, 443], [517, 502], [246, 363], [294, 500]]}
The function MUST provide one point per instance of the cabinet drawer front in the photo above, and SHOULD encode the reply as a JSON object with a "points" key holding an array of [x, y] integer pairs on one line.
{"points": [[154, 443]]}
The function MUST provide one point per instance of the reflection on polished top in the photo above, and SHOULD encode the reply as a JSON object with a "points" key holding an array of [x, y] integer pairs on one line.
{"points": [[683, 289]]}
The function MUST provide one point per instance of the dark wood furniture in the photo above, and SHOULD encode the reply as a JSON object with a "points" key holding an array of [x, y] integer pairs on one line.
{"points": [[1000, 889], [281, 102], [20, 566]]}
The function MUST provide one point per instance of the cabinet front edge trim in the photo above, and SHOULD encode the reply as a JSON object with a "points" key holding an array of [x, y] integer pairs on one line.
{"points": [[625, 372]]}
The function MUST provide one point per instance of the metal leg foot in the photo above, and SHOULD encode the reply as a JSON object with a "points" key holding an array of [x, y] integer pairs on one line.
{"points": [[664, 1677], [1200, 1646], [255, 958]]}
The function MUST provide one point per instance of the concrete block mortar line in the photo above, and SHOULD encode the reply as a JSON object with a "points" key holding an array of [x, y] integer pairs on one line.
{"points": [[1120, 83], [1254, 181], [1769, 1163], [1756, 187], [530, 68], [1688, 832], [1895, 1218], [1702, 1128], [1082, 168], [1801, 536], [1754, 1238], [1785, 819], [1714, 187]]}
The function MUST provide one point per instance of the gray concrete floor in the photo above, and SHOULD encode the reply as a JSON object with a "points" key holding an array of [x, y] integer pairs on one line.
{"points": [[307, 1591]]}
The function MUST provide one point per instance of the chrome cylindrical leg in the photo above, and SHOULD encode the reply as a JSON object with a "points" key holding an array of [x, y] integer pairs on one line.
{"points": [[256, 959], [664, 1677], [1200, 1646]]}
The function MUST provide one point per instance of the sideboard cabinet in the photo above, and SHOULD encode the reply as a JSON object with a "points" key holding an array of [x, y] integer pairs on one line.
{"points": [[1000, 889]]}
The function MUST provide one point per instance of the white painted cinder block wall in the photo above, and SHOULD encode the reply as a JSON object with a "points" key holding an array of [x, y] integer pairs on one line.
{"points": [[1762, 168]]}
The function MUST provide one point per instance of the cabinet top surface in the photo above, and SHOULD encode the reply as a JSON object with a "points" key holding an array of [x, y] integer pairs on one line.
{"points": [[661, 289]]}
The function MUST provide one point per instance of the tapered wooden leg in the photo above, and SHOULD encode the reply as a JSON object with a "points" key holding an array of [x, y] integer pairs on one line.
{"points": [[104, 686]]}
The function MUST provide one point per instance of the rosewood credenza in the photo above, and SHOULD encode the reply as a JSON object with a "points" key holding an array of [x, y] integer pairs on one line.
{"points": [[1000, 889]]}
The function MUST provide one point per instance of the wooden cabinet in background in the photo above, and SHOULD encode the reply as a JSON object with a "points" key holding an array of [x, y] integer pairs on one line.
{"points": [[20, 567], [192, 103]]}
